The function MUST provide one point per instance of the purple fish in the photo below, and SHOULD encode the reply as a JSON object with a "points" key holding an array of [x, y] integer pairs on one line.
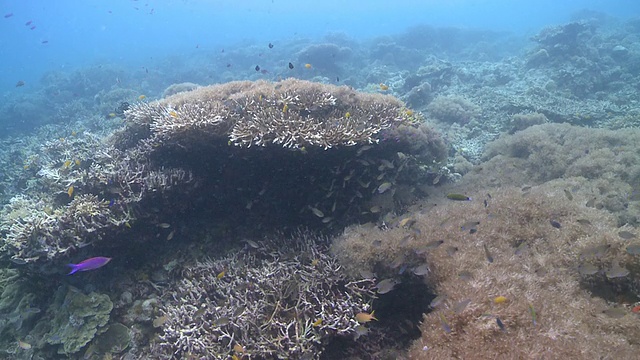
{"points": [[89, 264]]}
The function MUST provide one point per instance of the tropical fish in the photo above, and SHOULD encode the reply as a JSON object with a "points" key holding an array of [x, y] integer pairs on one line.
{"points": [[317, 323], [633, 249], [500, 300], [587, 269], [445, 325], [429, 246], [386, 286], [142, 97], [238, 348], [24, 345], [458, 197], [290, 66], [568, 194], [421, 270], [317, 212], [70, 191], [615, 313], [308, 66], [487, 253], [461, 305], [384, 187], [270, 46], [534, 316], [438, 300], [361, 330], [364, 317], [89, 264], [257, 67], [20, 83], [626, 235], [384, 87], [616, 271]]}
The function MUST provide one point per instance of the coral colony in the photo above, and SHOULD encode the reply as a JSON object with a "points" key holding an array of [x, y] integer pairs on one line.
{"points": [[297, 219]]}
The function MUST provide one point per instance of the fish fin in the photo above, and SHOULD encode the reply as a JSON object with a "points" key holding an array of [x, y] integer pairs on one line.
{"points": [[74, 268]]}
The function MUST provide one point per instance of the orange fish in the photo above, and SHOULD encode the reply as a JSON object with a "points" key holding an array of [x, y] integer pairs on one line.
{"points": [[364, 317], [383, 87], [636, 309]]}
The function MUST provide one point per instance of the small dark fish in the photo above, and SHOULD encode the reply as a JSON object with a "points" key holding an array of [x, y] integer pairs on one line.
{"points": [[487, 253], [337, 78], [33, 27], [20, 83], [257, 67], [263, 71], [44, 42], [555, 224], [28, 23], [112, 202], [500, 324], [486, 203], [270, 46], [6, 16], [627, 235], [568, 194], [290, 66], [583, 222]]}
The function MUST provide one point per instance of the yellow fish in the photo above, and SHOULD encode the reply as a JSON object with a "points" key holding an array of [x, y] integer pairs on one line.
{"points": [[500, 300], [66, 164], [238, 348], [173, 114], [142, 97], [383, 87], [78, 162], [220, 275], [74, 133], [112, 115], [70, 191], [347, 115], [284, 108], [308, 66], [364, 317], [317, 322]]}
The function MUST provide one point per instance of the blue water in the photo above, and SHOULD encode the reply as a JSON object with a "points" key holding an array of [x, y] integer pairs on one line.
{"points": [[135, 33]]}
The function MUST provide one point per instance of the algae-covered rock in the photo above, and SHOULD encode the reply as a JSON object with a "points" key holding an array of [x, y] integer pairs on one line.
{"points": [[113, 341], [16, 309], [77, 318]]}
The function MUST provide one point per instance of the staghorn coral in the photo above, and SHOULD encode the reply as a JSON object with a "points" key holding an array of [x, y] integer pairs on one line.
{"points": [[283, 299], [291, 113], [534, 262]]}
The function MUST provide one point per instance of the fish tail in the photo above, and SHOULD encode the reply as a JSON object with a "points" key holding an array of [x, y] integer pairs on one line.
{"points": [[74, 268]]}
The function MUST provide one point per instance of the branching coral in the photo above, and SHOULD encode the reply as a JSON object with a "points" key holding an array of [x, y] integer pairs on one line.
{"points": [[283, 299], [291, 113]]}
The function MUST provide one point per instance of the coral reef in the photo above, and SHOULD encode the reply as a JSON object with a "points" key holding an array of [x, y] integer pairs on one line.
{"points": [[72, 320], [453, 109], [524, 246], [550, 151], [291, 113], [277, 298]]}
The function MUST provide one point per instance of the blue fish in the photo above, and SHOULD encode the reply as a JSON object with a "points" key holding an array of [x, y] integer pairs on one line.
{"points": [[89, 264]]}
